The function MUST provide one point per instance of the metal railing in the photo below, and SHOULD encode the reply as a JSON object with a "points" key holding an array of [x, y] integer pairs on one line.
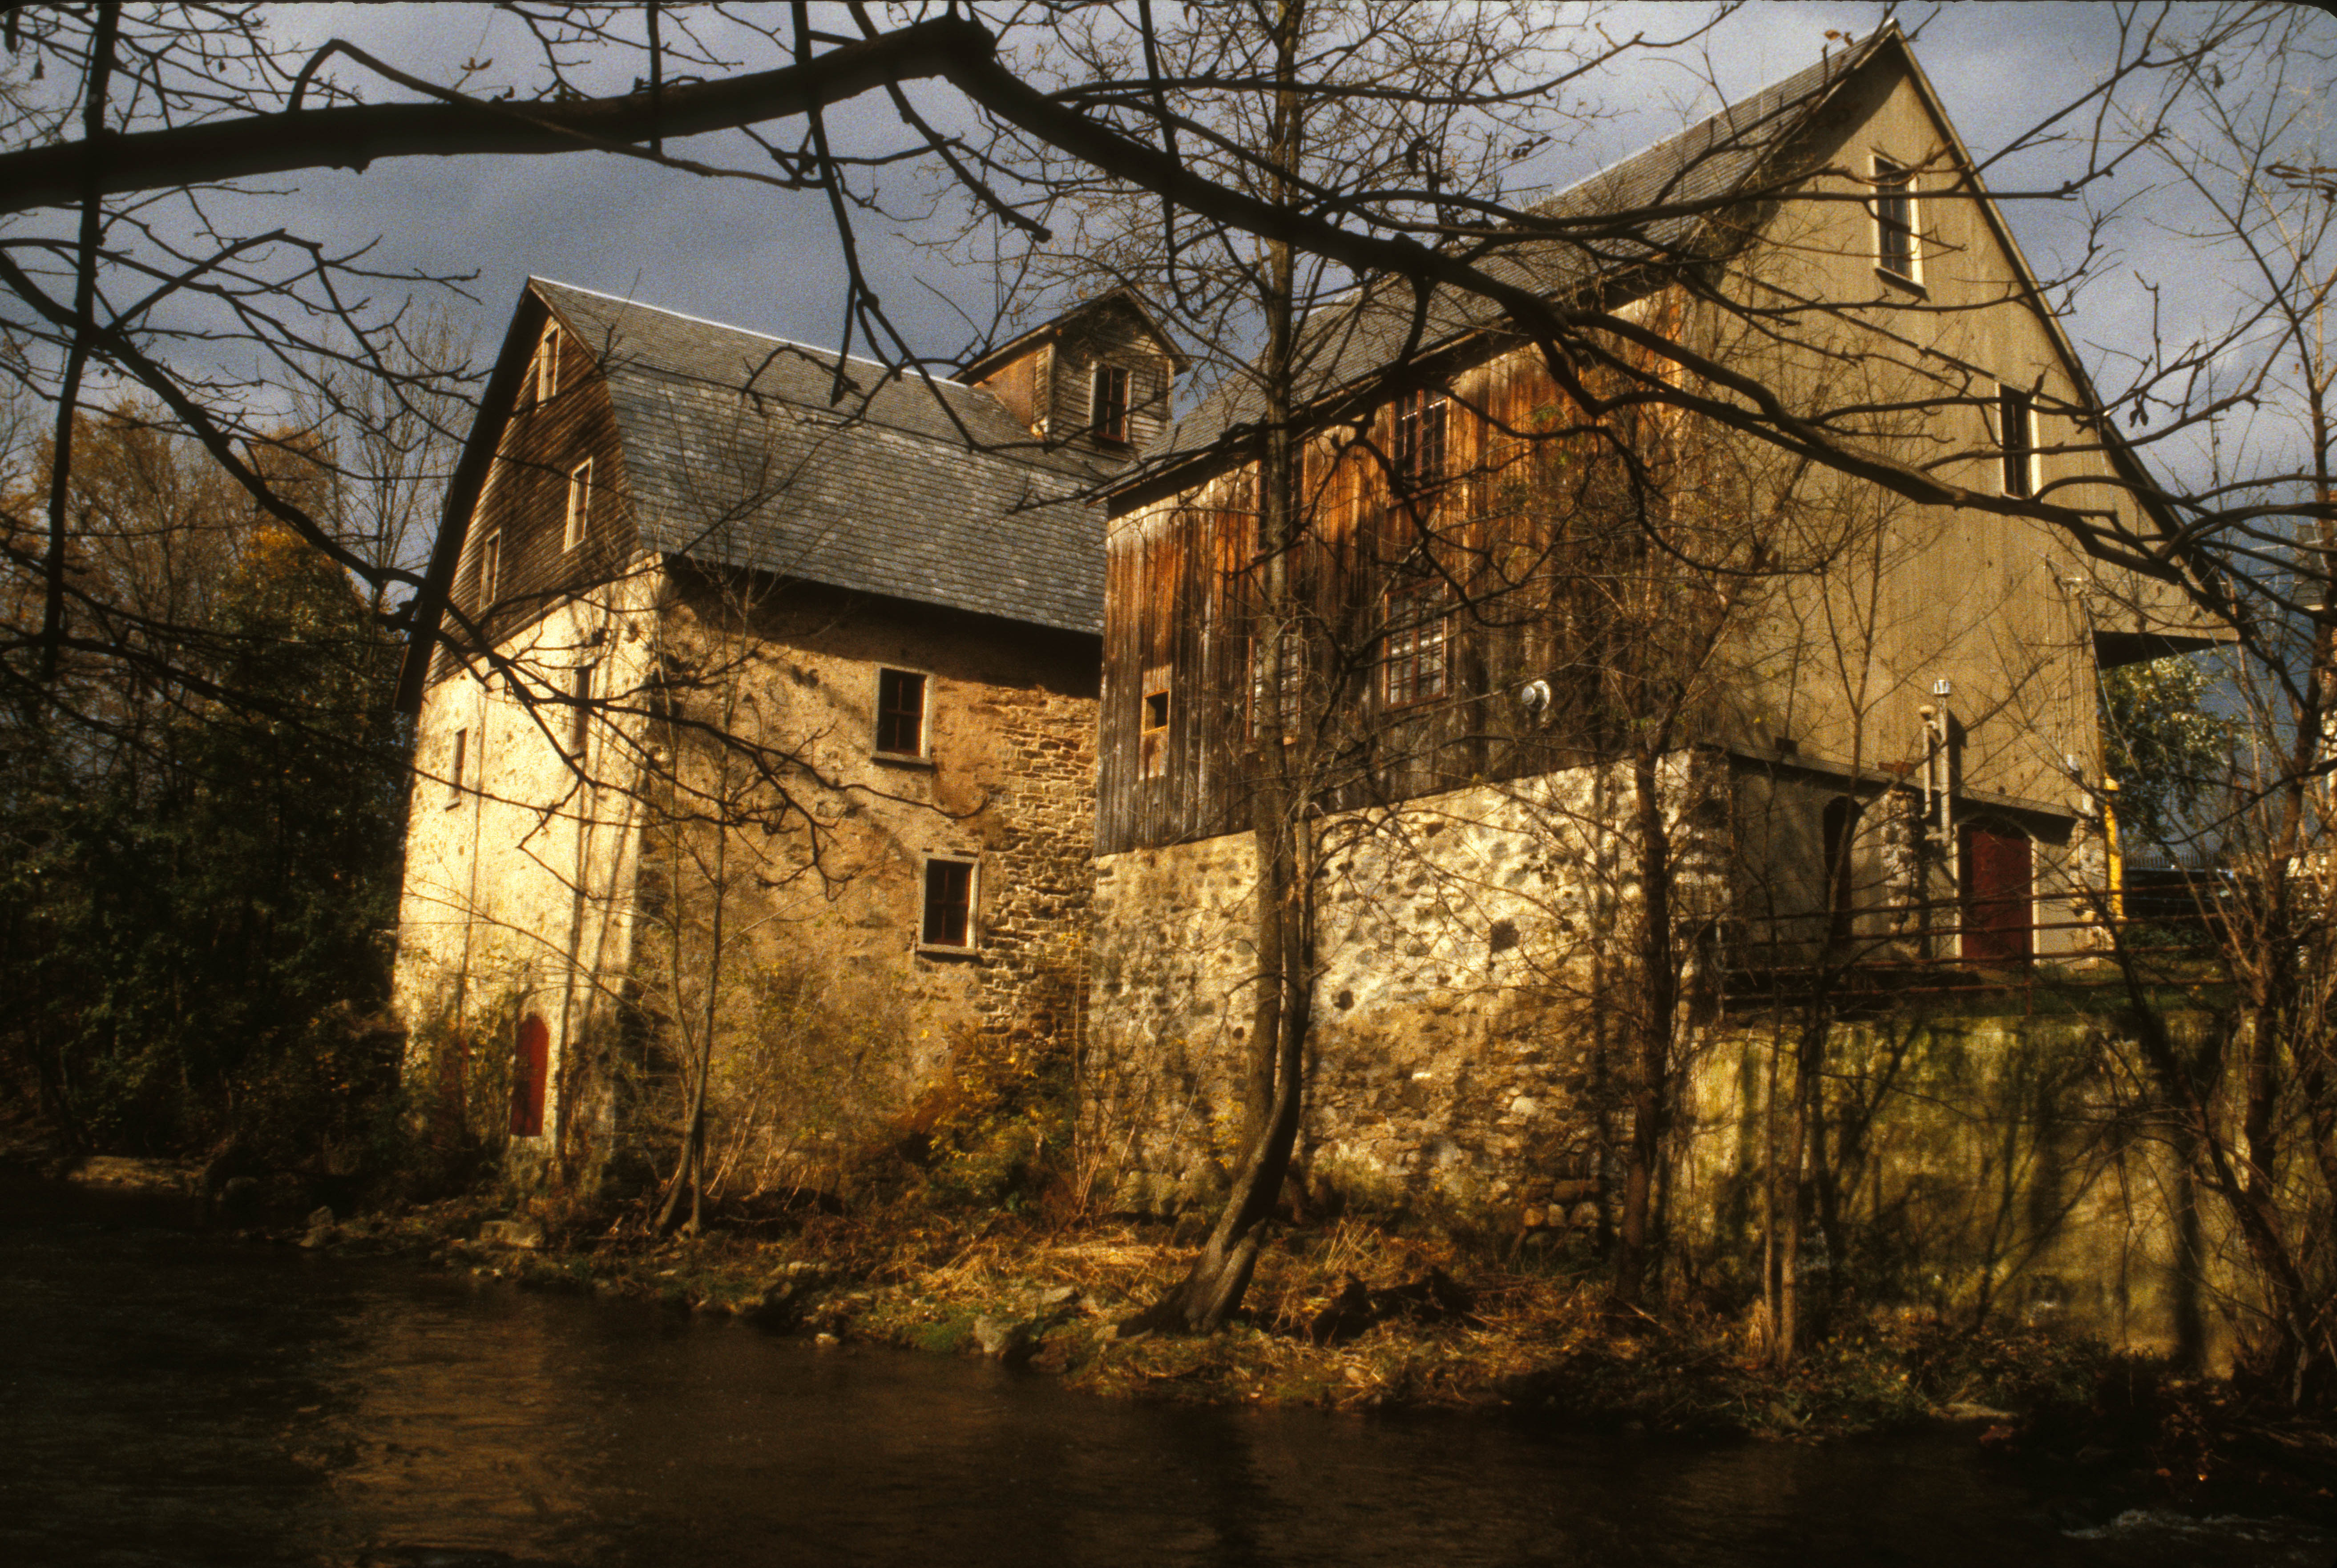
{"points": [[1938, 949]]}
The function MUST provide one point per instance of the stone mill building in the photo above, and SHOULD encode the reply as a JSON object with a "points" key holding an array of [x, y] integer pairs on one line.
{"points": [[763, 738]]}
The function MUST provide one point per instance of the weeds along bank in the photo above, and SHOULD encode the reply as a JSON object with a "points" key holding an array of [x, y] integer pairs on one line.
{"points": [[1515, 1333], [1991, 1168]]}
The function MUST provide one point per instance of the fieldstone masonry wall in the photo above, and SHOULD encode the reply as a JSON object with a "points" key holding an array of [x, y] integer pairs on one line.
{"points": [[1464, 941]]}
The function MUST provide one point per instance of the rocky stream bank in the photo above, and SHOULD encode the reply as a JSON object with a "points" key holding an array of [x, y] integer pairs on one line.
{"points": [[1358, 1316]]}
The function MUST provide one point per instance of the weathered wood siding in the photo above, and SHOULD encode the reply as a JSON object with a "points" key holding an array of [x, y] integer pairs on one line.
{"points": [[523, 502], [1113, 334], [1182, 595]]}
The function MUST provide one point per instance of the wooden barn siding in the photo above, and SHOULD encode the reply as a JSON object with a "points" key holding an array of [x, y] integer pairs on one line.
{"points": [[1016, 386], [1177, 595], [525, 497], [1115, 336]]}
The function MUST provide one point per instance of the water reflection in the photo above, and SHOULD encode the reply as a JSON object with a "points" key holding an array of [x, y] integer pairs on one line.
{"points": [[170, 1398]]}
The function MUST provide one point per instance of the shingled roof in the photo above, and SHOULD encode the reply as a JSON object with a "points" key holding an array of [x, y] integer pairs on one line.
{"points": [[928, 491], [1655, 204]]}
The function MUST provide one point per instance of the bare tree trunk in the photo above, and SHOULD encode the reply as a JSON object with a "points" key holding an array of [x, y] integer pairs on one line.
{"points": [[1212, 1289], [1652, 1031]]}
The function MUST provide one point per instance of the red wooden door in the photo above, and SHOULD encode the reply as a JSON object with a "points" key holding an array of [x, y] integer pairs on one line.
{"points": [[531, 1064], [1996, 888]]}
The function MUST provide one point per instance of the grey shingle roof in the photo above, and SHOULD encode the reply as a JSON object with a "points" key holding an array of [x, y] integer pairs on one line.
{"points": [[1617, 218], [736, 456]]}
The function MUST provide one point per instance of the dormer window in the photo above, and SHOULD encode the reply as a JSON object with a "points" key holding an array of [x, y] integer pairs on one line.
{"points": [[1895, 251], [580, 504], [1110, 403]]}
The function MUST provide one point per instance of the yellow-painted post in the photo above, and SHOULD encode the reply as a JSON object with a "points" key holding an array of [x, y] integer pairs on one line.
{"points": [[2117, 857]]}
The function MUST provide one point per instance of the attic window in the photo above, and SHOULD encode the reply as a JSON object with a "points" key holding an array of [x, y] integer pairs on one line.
{"points": [[947, 920], [547, 368], [2016, 421], [900, 712], [580, 504], [1419, 439], [491, 566], [1111, 404], [1894, 221]]}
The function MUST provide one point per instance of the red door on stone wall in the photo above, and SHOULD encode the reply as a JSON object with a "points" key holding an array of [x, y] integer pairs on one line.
{"points": [[1996, 894], [530, 1062]]}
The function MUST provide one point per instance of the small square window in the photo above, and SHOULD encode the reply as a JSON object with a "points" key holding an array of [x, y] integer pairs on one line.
{"points": [[1417, 648], [1111, 404], [2015, 424], [948, 917], [901, 713], [454, 768], [1895, 251], [1152, 726], [491, 567], [580, 504]]}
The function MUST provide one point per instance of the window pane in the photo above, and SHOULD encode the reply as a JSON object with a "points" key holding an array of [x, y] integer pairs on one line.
{"points": [[1417, 644], [1895, 218], [949, 888], [901, 711], [2015, 420]]}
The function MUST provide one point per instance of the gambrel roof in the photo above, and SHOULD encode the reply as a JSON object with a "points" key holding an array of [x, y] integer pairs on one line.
{"points": [[745, 449]]}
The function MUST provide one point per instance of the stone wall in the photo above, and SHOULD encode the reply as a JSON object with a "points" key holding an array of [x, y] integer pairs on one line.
{"points": [[517, 899], [593, 902], [1467, 943], [831, 1018]]}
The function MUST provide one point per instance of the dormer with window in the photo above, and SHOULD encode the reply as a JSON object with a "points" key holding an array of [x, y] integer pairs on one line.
{"points": [[1098, 375]]}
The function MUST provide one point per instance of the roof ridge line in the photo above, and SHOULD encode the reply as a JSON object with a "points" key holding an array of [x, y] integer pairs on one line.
{"points": [[733, 326], [1071, 470]]}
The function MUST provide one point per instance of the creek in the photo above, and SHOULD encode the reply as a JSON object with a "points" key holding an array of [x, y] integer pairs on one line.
{"points": [[169, 1397]]}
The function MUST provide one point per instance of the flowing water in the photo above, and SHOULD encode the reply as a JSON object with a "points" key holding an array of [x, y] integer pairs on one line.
{"points": [[167, 1397]]}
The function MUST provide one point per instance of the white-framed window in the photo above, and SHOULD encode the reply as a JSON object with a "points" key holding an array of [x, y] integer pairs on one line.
{"points": [[455, 761], [1283, 703], [902, 713], [2016, 439], [491, 566], [580, 504], [1419, 423], [547, 368], [1416, 651], [1896, 251], [951, 885], [1108, 402]]}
